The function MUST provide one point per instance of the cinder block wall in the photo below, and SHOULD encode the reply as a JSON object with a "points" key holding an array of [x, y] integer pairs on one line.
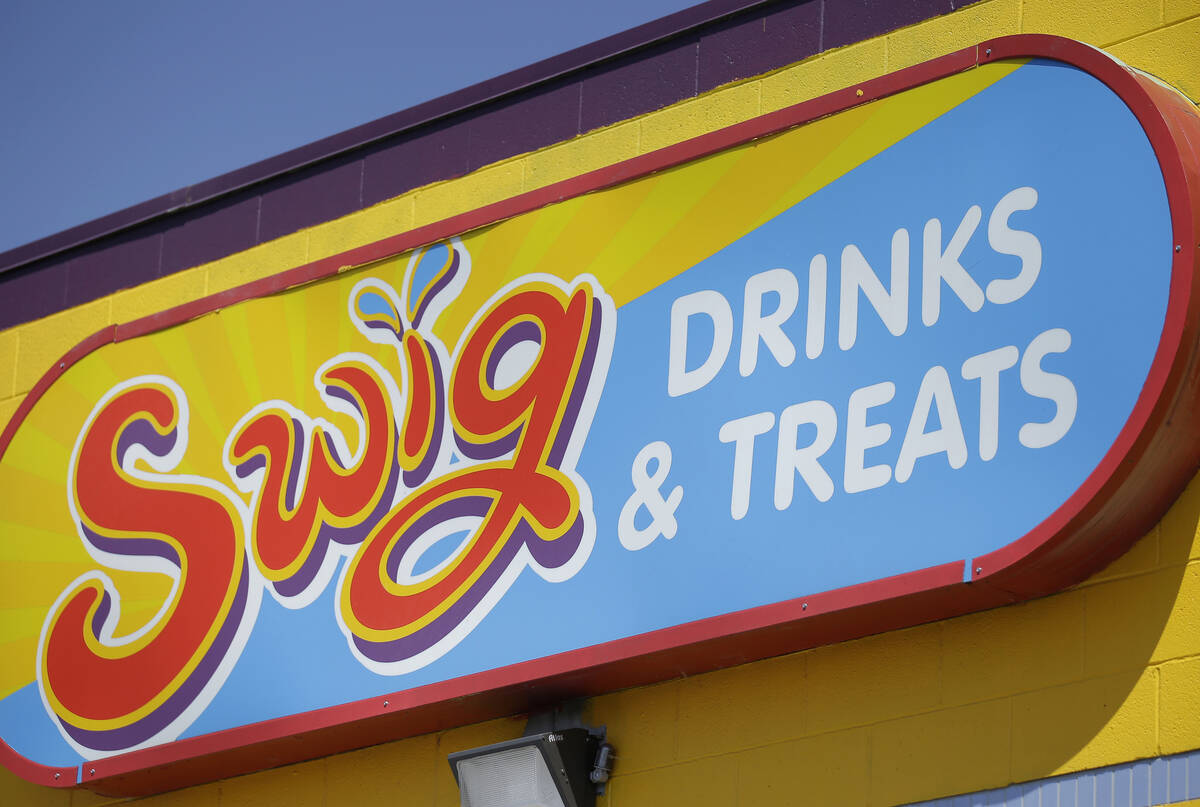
{"points": [[1100, 675]]}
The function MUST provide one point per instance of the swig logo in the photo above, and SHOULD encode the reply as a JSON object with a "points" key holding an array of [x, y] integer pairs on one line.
{"points": [[475, 448]]}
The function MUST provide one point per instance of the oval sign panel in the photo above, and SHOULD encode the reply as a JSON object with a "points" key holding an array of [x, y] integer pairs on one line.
{"points": [[899, 353]]}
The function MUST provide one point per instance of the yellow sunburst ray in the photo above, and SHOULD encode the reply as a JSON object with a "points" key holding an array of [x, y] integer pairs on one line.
{"points": [[17, 662]]}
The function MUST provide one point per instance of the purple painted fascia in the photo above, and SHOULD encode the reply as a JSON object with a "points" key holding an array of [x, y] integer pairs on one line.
{"points": [[34, 292], [749, 44], [850, 21], [367, 133], [198, 236], [128, 259], [641, 82], [616, 78], [311, 196]]}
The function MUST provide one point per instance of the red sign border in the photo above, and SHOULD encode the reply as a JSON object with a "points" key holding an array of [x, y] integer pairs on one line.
{"points": [[1149, 463]]}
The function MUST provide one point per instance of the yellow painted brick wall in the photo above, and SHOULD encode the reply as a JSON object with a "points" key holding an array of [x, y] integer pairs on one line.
{"points": [[1101, 674]]}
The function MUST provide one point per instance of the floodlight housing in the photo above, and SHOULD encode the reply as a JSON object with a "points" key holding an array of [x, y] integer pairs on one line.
{"points": [[548, 769]]}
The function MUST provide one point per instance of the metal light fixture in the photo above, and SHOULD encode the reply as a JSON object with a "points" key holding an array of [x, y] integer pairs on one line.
{"points": [[556, 768]]}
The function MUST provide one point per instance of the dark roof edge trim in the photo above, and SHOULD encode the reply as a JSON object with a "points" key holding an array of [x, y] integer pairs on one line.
{"points": [[429, 111]]}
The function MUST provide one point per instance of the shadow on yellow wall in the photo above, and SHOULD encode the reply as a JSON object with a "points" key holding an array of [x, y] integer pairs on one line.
{"points": [[1098, 674]]}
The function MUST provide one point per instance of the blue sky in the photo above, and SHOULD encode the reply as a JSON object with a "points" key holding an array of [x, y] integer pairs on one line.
{"points": [[107, 104]]}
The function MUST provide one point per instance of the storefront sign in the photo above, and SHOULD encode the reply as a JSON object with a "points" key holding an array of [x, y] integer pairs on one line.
{"points": [[897, 363]]}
